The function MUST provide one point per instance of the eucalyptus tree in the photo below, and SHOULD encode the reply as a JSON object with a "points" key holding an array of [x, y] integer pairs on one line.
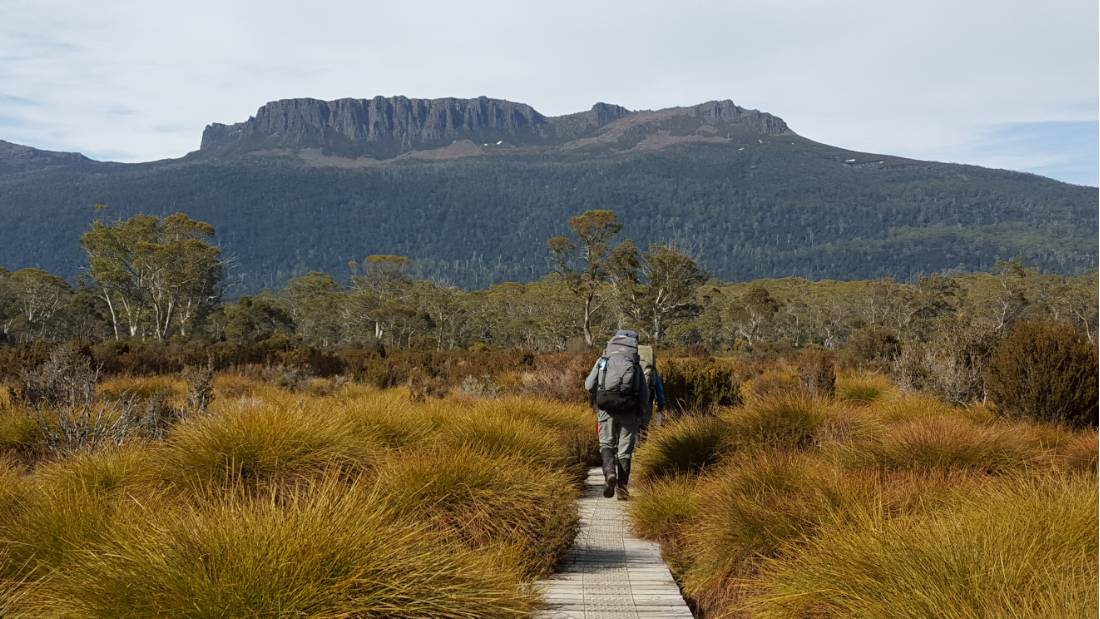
{"points": [[587, 273], [156, 275]]}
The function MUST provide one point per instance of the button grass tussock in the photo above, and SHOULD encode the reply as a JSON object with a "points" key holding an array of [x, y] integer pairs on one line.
{"points": [[348, 501], [878, 503]]}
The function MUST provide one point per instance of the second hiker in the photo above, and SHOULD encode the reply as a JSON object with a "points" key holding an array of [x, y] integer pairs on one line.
{"points": [[618, 391]]}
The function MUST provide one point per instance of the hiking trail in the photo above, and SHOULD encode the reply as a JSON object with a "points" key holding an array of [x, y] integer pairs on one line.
{"points": [[609, 573]]}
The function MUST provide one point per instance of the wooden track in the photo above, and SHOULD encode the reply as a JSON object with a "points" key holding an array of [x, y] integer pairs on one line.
{"points": [[609, 573]]}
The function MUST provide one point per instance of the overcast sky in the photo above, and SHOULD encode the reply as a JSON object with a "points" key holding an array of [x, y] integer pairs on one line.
{"points": [[1001, 83]]}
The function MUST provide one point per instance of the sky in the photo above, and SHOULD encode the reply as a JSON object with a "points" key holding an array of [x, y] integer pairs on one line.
{"points": [[1000, 83]]}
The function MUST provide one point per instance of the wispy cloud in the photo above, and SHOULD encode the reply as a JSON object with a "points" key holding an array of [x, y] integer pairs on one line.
{"points": [[933, 79]]}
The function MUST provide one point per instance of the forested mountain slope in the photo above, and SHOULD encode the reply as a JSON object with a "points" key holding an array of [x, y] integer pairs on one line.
{"points": [[471, 190]]}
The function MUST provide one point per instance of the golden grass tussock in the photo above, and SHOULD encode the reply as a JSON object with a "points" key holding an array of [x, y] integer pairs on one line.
{"points": [[1079, 453], [685, 445], [484, 501], [1019, 547], [863, 388], [664, 506], [778, 421], [19, 431], [778, 380], [329, 548], [169, 389], [261, 444], [486, 430], [953, 443], [48, 525]]}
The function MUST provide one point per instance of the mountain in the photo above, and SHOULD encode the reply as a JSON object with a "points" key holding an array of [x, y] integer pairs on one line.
{"points": [[16, 158], [384, 128], [472, 188]]}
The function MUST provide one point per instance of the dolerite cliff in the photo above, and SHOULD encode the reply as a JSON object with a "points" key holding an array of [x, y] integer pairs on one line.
{"points": [[385, 127]]}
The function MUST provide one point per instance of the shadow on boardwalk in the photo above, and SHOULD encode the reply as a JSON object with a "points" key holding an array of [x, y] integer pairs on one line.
{"points": [[609, 573]]}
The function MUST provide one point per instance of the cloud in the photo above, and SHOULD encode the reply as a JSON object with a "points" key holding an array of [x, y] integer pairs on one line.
{"points": [[927, 79]]}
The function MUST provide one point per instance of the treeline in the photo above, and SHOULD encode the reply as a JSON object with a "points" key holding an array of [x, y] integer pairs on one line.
{"points": [[157, 279]]}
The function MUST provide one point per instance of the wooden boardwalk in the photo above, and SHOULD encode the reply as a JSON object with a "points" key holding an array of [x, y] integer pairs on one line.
{"points": [[609, 573]]}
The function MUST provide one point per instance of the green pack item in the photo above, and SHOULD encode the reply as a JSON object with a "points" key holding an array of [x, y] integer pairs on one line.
{"points": [[645, 354]]}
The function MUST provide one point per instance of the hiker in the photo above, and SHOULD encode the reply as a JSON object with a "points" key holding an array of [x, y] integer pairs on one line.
{"points": [[618, 391], [656, 388]]}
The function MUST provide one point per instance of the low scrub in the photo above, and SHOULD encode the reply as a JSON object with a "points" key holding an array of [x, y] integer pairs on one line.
{"points": [[1045, 372], [700, 384], [1021, 548]]}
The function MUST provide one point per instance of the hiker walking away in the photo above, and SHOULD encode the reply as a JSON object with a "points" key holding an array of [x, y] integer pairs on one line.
{"points": [[619, 393], [655, 385]]}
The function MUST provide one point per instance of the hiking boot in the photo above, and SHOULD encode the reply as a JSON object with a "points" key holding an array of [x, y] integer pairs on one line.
{"points": [[622, 493], [610, 479], [623, 477]]}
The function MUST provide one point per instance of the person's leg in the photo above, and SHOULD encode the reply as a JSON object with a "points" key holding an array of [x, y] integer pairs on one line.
{"points": [[628, 427], [609, 441]]}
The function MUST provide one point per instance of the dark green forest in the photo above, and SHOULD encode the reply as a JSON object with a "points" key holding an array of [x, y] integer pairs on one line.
{"points": [[784, 207]]}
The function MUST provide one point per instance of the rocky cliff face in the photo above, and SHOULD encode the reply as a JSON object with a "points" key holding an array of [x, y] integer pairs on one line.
{"points": [[384, 127]]}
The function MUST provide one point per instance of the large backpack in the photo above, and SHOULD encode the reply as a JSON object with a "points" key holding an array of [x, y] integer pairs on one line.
{"points": [[617, 386], [649, 367]]}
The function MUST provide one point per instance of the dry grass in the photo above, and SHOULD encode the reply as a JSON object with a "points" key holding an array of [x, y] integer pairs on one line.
{"points": [[327, 549], [1024, 547], [349, 501], [779, 421], [269, 443], [863, 388], [686, 445], [953, 443], [169, 389], [803, 502], [484, 501]]}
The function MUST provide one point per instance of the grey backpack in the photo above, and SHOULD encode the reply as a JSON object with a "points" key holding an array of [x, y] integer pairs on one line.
{"points": [[617, 382]]}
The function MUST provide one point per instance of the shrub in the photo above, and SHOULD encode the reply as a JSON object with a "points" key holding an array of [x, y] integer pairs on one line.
{"points": [[779, 422], [875, 345], [1022, 548], [1045, 372], [699, 385], [817, 372], [326, 550], [687, 445], [66, 379], [484, 501]]}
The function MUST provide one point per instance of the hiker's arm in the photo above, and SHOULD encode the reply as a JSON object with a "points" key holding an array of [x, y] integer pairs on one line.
{"points": [[659, 389], [643, 395], [590, 382]]}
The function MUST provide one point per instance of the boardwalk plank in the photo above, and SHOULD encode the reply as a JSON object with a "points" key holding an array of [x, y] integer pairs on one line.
{"points": [[609, 573]]}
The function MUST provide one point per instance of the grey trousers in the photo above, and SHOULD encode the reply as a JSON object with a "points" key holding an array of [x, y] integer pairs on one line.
{"points": [[618, 432]]}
